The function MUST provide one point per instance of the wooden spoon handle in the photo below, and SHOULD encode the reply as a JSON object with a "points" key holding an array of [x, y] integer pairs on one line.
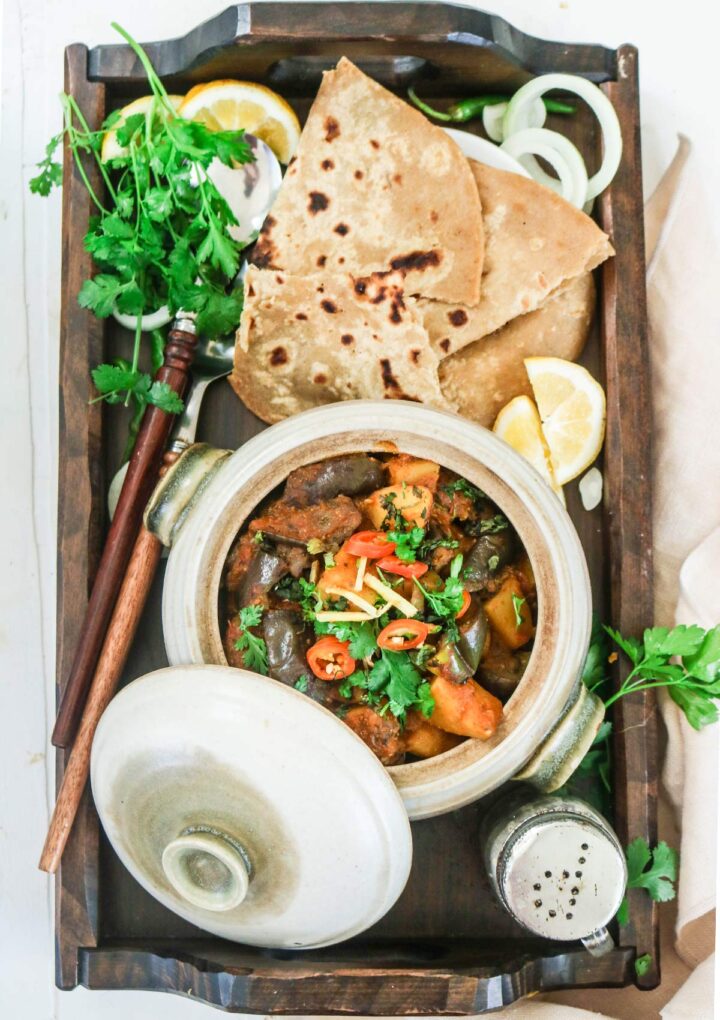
{"points": [[139, 482], [128, 610]]}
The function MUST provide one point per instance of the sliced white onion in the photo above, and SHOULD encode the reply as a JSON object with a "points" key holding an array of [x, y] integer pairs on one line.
{"points": [[492, 118], [591, 489], [562, 156], [149, 322], [517, 113]]}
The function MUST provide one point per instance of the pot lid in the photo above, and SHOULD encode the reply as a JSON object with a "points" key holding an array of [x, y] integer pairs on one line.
{"points": [[248, 809]]}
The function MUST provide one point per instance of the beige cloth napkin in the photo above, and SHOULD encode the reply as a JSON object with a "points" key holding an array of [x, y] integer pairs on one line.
{"points": [[685, 353]]}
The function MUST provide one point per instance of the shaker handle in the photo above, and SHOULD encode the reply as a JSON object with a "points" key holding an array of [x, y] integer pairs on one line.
{"points": [[599, 942]]}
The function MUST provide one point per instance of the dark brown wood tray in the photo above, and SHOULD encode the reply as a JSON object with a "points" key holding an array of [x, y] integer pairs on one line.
{"points": [[446, 947]]}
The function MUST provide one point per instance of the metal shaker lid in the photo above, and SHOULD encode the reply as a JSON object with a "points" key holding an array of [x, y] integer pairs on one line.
{"points": [[562, 874]]}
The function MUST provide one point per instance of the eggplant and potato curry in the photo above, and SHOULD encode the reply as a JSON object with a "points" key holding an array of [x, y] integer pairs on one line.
{"points": [[390, 590]]}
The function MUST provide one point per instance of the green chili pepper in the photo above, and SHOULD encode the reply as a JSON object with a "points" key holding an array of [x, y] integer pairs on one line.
{"points": [[467, 109]]}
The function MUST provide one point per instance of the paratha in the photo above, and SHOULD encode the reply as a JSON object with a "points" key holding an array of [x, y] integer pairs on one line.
{"points": [[534, 242], [485, 375], [305, 341], [376, 187]]}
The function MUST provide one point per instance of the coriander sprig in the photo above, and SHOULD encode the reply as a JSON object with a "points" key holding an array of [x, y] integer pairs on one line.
{"points": [[254, 649], [160, 236], [692, 681]]}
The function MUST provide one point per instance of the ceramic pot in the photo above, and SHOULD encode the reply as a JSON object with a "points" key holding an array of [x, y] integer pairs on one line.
{"points": [[551, 719]]}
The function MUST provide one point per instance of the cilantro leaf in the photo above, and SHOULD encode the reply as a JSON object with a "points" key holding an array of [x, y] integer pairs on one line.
{"points": [[680, 640], [642, 964], [100, 294], [407, 543], [657, 879], [518, 602], [466, 488], [253, 647], [164, 396], [704, 662]]}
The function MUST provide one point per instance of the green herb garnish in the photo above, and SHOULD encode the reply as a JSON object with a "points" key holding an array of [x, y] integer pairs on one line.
{"points": [[407, 543], [693, 683], [493, 563], [253, 648], [488, 525], [518, 602], [301, 684], [359, 635], [466, 488], [395, 677], [257, 538], [657, 879], [448, 601], [160, 235], [642, 964]]}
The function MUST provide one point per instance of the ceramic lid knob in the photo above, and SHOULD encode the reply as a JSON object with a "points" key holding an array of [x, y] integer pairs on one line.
{"points": [[208, 869]]}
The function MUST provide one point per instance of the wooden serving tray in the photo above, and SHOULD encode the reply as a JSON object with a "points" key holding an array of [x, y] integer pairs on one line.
{"points": [[447, 947]]}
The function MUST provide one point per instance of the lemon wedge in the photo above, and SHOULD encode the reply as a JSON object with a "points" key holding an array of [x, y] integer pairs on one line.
{"points": [[111, 148], [228, 105], [519, 425], [572, 410]]}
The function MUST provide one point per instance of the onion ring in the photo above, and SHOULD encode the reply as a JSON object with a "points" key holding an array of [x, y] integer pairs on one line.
{"points": [[560, 153], [153, 320], [517, 118]]}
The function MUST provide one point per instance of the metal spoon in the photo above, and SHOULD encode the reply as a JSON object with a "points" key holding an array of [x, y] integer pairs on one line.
{"points": [[250, 191]]}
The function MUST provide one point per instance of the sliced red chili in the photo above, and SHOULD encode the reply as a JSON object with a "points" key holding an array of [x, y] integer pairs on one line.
{"points": [[372, 544], [465, 606], [400, 635], [329, 659], [394, 565]]}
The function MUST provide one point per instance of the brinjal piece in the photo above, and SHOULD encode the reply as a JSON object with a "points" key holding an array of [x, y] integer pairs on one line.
{"points": [[287, 639], [501, 669], [263, 573], [486, 558], [459, 660], [352, 475]]}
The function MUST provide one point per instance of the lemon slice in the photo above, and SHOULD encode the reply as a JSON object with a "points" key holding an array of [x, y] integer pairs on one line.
{"points": [[111, 148], [572, 408], [519, 425], [234, 105]]}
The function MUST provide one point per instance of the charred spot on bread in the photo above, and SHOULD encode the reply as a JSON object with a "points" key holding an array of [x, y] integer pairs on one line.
{"points": [[359, 175], [458, 317], [395, 309], [347, 339], [321, 260], [397, 178], [318, 202], [433, 216], [342, 229], [278, 356], [445, 343], [360, 286], [279, 279], [329, 306], [415, 355], [375, 144], [332, 129], [301, 316], [320, 379], [327, 164], [389, 380], [417, 260]]}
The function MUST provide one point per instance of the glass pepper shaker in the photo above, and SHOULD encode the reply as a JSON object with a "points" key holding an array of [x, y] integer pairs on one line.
{"points": [[557, 867]]}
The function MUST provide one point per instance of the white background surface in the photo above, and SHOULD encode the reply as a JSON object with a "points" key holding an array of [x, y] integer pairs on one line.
{"points": [[679, 67]]}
